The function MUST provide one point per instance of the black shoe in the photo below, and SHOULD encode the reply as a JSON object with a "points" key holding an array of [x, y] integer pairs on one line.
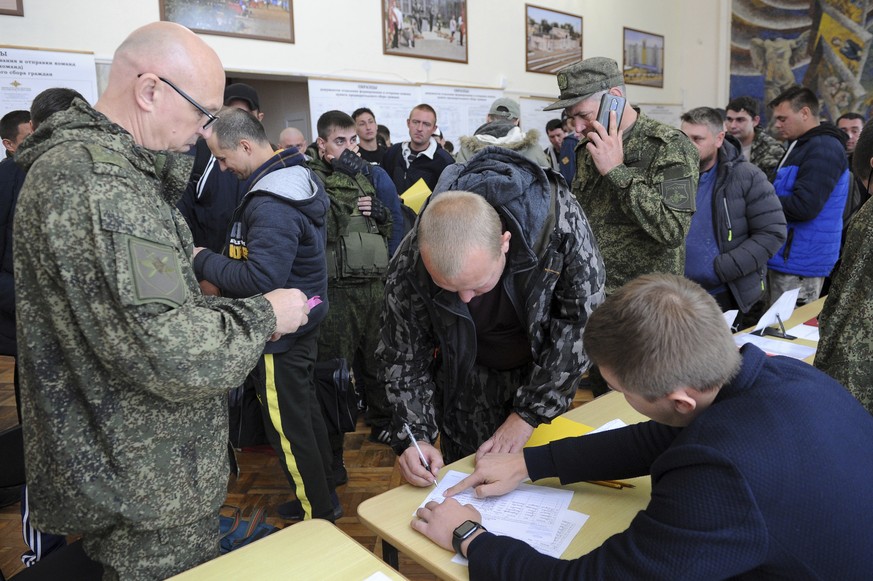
{"points": [[380, 435], [340, 475], [293, 509]]}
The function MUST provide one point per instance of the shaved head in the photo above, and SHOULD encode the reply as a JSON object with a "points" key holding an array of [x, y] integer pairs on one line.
{"points": [[139, 98], [292, 137]]}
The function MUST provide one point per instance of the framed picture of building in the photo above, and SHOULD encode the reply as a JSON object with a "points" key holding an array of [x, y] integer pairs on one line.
{"points": [[426, 29], [12, 7], [554, 39], [643, 58], [258, 19]]}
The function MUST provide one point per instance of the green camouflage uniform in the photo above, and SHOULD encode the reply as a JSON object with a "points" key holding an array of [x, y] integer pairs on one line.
{"points": [[640, 211], [845, 350], [766, 153], [352, 322], [124, 364]]}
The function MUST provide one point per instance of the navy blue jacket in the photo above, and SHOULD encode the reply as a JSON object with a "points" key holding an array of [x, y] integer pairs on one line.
{"points": [[772, 481], [276, 240], [11, 180], [210, 199], [422, 167], [812, 185], [567, 158], [748, 223]]}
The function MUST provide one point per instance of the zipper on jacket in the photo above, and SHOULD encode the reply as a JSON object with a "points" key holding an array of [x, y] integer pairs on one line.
{"points": [[788, 242], [727, 217]]}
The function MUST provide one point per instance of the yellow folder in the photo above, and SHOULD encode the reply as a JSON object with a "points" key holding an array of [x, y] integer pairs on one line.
{"points": [[415, 196], [559, 428]]}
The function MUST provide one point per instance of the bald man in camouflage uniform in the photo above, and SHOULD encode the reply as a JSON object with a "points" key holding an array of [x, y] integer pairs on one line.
{"points": [[484, 362], [124, 363], [636, 182]]}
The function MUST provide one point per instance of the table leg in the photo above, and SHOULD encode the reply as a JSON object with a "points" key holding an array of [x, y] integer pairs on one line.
{"points": [[389, 555]]}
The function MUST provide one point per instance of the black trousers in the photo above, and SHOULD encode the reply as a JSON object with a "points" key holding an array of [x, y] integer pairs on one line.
{"points": [[285, 384]]}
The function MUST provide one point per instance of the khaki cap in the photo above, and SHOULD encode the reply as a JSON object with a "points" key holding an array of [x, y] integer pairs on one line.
{"points": [[580, 80]]}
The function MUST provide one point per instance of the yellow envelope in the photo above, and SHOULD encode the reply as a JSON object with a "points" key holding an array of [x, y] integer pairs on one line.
{"points": [[559, 428], [415, 196]]}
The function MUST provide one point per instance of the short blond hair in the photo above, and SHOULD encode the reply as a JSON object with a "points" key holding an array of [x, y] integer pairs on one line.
{"points": [[452, 224], [659, 333]]}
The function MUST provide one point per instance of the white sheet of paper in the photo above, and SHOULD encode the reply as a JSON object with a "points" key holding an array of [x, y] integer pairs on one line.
{"points": [[552, 544], [378, 576], [730, 317], [807, 332], [610, 425], [784, 307], [537, 515], [528, 504], [774, 346]]}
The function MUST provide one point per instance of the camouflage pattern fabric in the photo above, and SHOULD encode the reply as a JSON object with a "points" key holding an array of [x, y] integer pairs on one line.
{"points": [[766, 153], [353, 319], [640, 212], [427, 346], [845, 349], [124, 363], [130, 554]]}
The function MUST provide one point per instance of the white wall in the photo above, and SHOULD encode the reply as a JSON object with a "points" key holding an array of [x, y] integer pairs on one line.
{"points": [[342, 38]]}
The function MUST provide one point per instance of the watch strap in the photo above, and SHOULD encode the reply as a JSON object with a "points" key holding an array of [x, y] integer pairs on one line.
{"points": [[459, 536]]}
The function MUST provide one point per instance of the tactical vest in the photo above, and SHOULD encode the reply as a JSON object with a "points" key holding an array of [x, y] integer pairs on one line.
{"points": [[355, 247]]}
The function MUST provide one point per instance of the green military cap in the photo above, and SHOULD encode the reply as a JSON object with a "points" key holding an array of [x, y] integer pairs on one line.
{"points": [[580, 80]]}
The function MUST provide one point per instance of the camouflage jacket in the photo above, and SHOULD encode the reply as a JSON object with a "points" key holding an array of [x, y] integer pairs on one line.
{"points": [[766, 153], [845, 350], [556, 279], [640, 211], [124, 364]]}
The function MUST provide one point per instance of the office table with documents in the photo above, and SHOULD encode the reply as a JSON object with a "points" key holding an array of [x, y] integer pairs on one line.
{"points": [[609, 510]]}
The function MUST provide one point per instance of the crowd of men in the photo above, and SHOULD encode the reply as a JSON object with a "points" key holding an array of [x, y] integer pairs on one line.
{"points": [[471, 322]]}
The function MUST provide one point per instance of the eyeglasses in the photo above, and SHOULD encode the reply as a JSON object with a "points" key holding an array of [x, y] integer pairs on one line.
{"points": [[209, 116]]}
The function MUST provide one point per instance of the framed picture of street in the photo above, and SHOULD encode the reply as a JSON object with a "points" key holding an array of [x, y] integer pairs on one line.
{"points": [[554, 39], [425, 29], [643, 58], [258, 19], [12, 7]]}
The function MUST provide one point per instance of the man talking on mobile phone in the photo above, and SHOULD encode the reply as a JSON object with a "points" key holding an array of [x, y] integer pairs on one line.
{"points": [[636, 179]]}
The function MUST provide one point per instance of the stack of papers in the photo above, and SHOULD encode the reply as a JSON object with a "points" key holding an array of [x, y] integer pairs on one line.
{"points": [[537, 515], [775, 346]]}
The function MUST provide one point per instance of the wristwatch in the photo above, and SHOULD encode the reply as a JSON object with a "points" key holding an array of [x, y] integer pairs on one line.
{"points": [[463, 532]]}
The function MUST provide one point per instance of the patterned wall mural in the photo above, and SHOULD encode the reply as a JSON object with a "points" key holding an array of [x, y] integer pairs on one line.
{"points": [[821, 44]]}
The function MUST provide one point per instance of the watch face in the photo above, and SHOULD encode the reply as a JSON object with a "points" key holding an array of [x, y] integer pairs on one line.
{"points": [[466, 528]]}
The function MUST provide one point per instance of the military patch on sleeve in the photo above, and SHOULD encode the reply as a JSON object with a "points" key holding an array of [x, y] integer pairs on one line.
{"points": [[157, 277], [679, 194]]}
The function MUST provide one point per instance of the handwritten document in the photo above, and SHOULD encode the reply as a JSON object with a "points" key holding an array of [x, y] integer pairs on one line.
{"points": [[538, 515]]}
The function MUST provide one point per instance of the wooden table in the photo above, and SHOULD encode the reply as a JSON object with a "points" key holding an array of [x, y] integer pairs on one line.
{"points": [[312, 549], [610, 510]]}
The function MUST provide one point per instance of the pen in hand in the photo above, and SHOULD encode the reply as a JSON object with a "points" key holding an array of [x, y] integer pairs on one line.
{"points": [[420, 453]]}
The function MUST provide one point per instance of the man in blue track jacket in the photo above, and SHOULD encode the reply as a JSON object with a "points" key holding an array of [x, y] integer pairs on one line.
{"points": [[812, 183]]}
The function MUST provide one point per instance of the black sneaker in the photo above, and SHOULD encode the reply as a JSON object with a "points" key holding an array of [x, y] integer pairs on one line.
{"points": [[293, 509], [380, 435], [340, 475]]}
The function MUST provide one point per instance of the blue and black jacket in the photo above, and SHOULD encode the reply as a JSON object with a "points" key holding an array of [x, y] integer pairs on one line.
{"points": [[812, 183]]}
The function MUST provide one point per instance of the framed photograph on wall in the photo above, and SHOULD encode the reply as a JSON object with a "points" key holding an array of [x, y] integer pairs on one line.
{"points": [[258, 19], [425, 29], [643, 58], [12, 7], [554, 39]]}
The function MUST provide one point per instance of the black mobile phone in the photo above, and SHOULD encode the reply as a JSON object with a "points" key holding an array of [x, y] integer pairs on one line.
{"points": [[610, 103]]}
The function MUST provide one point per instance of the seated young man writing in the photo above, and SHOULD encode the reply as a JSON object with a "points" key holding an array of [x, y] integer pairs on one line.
{"points": [[760, 466]]}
